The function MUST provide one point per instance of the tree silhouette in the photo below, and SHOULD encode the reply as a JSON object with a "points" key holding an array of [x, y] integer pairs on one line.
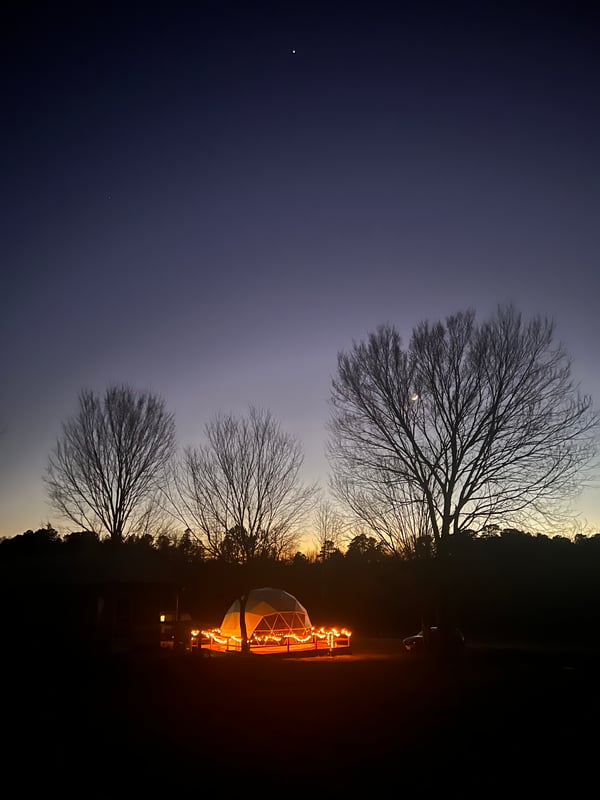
{"points": [[242, 489], [475, 424], [105, 469]]}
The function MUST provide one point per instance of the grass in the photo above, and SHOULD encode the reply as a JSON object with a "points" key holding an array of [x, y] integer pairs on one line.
{"points": [[134, 725]]}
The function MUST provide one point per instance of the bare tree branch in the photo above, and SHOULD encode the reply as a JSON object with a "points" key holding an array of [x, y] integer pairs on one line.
{"points": [[329, 525], [242, 489], [471, 423], [105, 469]]}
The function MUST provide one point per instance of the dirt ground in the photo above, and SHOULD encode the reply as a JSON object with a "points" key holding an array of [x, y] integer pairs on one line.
{"points": [[144, 725]]}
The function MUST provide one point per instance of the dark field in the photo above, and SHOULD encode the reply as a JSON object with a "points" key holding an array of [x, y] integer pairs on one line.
{"points": [[144, 725]]}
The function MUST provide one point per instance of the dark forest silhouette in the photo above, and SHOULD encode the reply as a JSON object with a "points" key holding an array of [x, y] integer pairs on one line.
{"points": [[91, 701], [505, 585]]}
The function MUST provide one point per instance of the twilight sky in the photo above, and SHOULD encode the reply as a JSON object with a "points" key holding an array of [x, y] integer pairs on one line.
{"points": [[210, 200]]}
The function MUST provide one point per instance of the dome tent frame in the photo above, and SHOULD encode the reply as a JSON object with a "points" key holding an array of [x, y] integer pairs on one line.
{"points": [[275, 622], [268, 613]]}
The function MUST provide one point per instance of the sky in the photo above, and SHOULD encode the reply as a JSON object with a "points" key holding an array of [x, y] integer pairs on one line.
{"points": [[209, 201]]}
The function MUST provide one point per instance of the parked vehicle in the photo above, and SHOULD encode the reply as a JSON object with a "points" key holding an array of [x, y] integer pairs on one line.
{"points": [[440, 639]]}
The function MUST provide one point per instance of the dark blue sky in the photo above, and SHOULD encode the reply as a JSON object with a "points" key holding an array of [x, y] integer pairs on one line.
{"points": [[191, 207]]}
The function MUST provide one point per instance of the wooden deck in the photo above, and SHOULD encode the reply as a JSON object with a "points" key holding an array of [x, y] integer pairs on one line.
{"points": [[316, 646]]}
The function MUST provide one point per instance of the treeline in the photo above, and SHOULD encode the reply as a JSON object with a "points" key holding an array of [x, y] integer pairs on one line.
{"points": [[505, 585]]}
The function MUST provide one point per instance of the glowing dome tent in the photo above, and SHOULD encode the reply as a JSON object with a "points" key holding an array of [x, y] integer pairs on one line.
{"points": [[277, 623], [269, 613]]}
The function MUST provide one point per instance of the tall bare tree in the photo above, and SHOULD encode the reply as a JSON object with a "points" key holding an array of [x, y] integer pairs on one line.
{"points": [[242, 491], [473, 423], [106, 467]]}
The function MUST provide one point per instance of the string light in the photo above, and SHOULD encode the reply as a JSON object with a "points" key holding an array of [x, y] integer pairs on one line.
{"points": [[331, 638]]}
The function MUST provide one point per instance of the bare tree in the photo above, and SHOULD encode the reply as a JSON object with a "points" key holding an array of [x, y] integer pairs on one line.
{"points": [[105, 470], [471, 424], [329, 526], [241, 490]]}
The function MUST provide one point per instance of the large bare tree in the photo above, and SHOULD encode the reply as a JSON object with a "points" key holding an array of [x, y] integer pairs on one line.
{"points": [[471, 424], [241, 490], [106, 467]]}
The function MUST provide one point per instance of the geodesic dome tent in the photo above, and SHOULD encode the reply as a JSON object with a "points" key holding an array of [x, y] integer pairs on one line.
{"points": [[269, 612]]}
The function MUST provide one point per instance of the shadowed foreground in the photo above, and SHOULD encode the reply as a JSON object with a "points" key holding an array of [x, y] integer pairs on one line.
{"points": [[122, 726]]}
